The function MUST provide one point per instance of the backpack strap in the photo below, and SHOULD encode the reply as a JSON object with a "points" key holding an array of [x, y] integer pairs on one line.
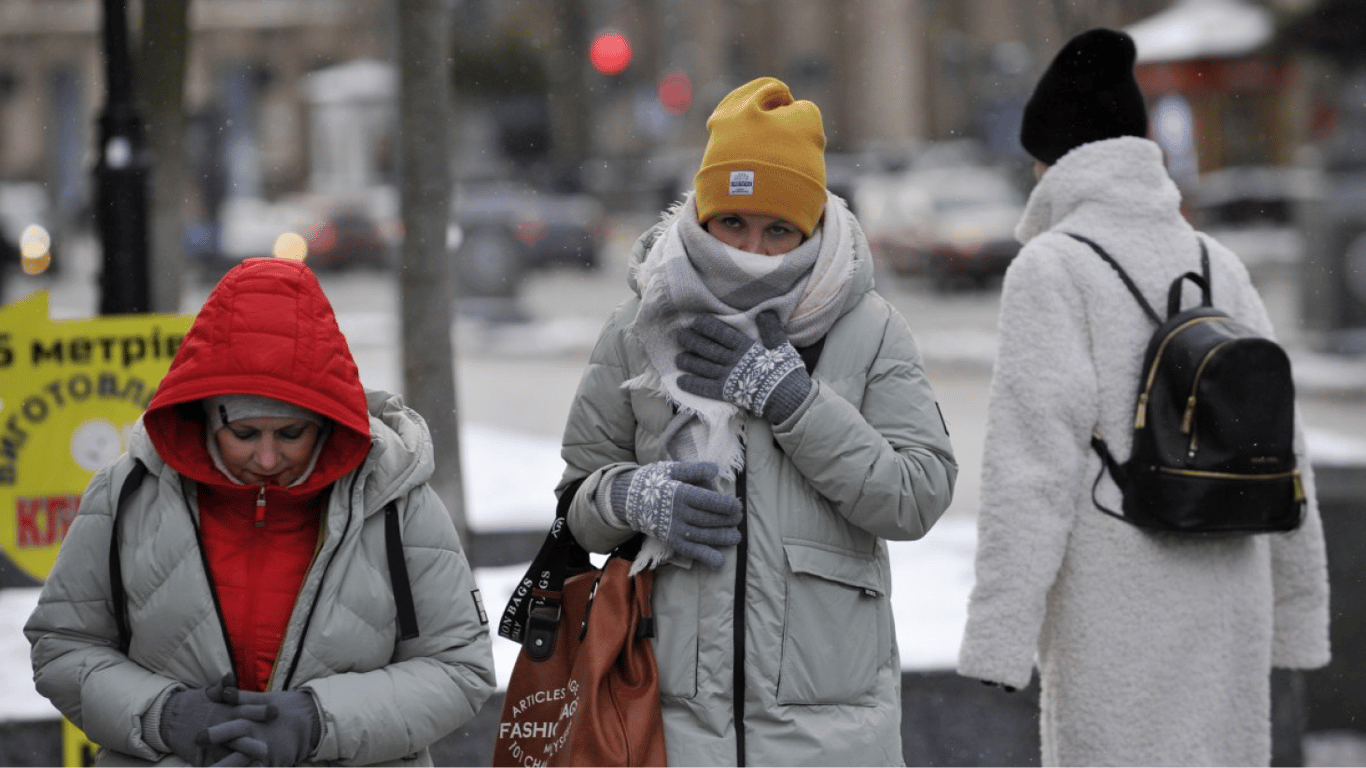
{"points": [[398, 574], [393, 546], [1108, 461], [119, 597], [1202, 280], [1128, 282], [1117, 471]]}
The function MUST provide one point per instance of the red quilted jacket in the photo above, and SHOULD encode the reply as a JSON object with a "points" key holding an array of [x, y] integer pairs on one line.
{"points": [[267, 329]]}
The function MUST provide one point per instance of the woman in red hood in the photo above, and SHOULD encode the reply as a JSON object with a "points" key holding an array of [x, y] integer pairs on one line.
{"points": [[253, 575]]}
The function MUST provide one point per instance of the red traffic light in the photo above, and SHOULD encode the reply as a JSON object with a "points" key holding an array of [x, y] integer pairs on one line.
{"points": [[610, 53], [675, 92]]}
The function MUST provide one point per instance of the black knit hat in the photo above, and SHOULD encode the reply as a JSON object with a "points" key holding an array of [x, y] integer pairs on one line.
{"points": [[1088, 94]]}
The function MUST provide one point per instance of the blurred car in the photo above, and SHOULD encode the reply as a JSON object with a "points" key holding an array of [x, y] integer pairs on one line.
{"points": [[953, 224], [501, 230], [1254, 210], [246, 227], [347, 239], [340, 234]]}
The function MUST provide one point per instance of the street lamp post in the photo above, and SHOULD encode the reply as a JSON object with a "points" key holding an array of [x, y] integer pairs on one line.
{"points": [[121, 178]]}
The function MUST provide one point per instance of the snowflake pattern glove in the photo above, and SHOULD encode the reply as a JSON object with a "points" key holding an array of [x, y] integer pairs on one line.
{"points": [[766, 378], [669, 501]]}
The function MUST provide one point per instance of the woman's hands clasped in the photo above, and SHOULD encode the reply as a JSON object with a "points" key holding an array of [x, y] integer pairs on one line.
{"points": [[223, 725]]}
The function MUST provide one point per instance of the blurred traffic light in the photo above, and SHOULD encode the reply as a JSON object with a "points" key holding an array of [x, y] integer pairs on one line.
{"points": [[610, 53], [675, 92]]}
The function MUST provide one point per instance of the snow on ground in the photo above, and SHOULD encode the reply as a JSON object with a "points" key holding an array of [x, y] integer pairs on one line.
{"points": [[509, 480]]}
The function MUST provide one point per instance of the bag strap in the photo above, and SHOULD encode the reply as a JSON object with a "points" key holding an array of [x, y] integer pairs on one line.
{"points": [[1107, 462], [393, 545], [130, 485], [1202, 280], [398, 573], [534, 608], [1128, 282]]}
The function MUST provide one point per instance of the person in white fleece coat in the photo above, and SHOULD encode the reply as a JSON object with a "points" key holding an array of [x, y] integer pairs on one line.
{"points": [[1151, 650]]}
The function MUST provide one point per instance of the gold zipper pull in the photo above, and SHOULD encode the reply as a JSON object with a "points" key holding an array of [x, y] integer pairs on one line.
{"points": [[1189, 418], [1299, 486], [261, 506], [1141, 415]]}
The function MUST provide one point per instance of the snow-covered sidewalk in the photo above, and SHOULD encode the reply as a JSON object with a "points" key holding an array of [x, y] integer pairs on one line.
{"points": [[510, 478]]}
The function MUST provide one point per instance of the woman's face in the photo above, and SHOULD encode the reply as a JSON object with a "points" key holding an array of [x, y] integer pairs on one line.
{"points": [[261, 451], [752, 233]]}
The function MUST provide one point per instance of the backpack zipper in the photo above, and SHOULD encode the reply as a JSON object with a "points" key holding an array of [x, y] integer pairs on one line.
{"points": [[1188, 419], [1205, 473], [1293, 474], [1141, 413]]}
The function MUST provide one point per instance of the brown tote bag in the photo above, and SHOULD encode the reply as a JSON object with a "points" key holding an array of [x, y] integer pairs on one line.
{"points": [[585, 688]]}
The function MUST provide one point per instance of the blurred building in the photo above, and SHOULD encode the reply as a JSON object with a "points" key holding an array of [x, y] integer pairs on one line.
{"points": [[246, 113], [889, 75]]}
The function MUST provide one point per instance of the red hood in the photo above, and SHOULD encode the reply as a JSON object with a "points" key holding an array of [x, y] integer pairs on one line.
{"points": [[266, 329]]}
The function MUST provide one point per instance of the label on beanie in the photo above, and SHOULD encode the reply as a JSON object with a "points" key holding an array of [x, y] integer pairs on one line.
{"points": [[742, 183]]}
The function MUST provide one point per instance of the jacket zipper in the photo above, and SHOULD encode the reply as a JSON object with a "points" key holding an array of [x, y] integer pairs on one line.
{"points": [[738, 619], [191, 502], [1141, 413], [322, 578]]}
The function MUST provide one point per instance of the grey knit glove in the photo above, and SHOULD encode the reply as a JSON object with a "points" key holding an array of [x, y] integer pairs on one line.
{"points": [[766, 378], [275, 728], [669, 501], [185, 714]]}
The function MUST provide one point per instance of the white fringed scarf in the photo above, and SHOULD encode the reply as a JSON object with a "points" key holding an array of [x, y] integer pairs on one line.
{"points": [[688, 272]]}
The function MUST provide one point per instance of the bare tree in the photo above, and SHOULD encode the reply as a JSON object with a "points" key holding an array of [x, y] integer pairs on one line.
{"points": [[425, 279], [161, 77]]}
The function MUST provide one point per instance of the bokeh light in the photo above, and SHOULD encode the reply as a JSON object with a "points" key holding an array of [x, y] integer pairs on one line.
{"points": [[610, 53], [290, 245], [35, 250], [675, 92]]}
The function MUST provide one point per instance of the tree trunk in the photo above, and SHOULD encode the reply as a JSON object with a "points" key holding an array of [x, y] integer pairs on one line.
{"points": [[425, 279], [569, 94], [161, 77]]}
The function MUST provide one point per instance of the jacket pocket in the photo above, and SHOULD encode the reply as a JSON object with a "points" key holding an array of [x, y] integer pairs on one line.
{"points": [[677, 616], [835, 630]]}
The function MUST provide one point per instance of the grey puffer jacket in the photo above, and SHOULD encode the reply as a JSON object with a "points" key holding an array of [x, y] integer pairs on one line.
{"points": [[382, 700], [787, 655]]}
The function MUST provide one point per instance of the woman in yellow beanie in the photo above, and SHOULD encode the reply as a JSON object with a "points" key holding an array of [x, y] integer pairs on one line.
{"points": [[762, 415]]}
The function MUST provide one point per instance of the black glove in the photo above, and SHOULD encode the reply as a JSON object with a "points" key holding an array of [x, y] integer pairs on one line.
{"points": [[275, 728], [766, 378], [187, 713], [669, 501]]}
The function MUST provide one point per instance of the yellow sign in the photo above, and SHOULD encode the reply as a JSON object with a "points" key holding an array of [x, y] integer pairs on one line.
{"points": [[77, 748], [70, 392]]}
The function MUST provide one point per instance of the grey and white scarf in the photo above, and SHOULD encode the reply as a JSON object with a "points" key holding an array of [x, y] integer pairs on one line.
{"points": [[688, 272]]}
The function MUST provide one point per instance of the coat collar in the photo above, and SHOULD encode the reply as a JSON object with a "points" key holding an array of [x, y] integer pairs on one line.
{"points": [[1116, 177]]}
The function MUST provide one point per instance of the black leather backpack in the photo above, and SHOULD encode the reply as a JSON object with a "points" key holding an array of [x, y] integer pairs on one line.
{"points": [[1214, 424]]}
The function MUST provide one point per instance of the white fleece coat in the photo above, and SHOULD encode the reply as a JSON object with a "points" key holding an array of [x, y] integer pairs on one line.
{"points": [[1151, 651]]}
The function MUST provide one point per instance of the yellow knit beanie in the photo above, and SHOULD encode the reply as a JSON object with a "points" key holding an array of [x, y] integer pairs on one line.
{"points": [[766, 155]]}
